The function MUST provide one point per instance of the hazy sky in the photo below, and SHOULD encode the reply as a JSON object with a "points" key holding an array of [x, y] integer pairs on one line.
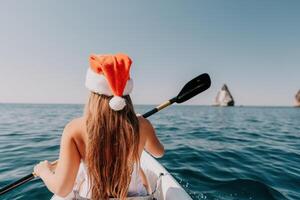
{"points": [[253, 46]]}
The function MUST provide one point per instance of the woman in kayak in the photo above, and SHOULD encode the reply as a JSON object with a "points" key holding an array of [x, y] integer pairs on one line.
{"points": [[100, 152]]}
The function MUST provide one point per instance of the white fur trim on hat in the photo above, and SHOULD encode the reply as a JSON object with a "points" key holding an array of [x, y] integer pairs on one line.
{"points": [[97, 83], [117, 103]]}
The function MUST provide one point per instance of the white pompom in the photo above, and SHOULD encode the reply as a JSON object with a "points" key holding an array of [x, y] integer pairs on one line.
{"points": [[117, 103]]}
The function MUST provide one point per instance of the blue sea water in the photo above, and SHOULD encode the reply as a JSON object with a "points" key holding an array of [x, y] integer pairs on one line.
{"points": [[215, 153]]}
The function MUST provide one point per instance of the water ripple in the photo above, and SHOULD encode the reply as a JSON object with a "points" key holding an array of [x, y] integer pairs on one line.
{"points": [[243, 153]]}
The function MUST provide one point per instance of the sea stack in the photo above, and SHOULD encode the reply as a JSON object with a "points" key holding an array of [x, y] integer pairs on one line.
{"points": [[297, 98], [224, 97]]}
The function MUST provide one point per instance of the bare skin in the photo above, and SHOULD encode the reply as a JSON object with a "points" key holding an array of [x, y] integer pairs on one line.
{"points": [[72, 151]]}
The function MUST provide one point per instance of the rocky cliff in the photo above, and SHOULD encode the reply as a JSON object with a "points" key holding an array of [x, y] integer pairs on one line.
{"points": [[297, 99], [224, 97]]}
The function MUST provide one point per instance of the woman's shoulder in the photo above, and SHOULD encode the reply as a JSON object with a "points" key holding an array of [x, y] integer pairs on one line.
{"points": [[75, 127], [144, 123], [146, 128]]}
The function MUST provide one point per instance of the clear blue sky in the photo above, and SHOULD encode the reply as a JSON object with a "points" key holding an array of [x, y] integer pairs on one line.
{"points": [[253, 46]]}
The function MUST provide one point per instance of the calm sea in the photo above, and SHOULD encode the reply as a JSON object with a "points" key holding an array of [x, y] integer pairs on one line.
{"points": [[214, 153]]}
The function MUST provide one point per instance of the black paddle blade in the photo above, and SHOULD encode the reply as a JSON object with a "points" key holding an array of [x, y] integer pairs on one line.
{"points": [[194, 87]]}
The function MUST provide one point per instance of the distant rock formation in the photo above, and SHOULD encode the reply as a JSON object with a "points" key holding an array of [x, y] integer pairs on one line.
{"points": [[297, 98], [224, 97]]}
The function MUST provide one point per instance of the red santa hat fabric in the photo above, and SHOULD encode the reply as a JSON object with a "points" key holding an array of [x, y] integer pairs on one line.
{"points": [[110, 75]]}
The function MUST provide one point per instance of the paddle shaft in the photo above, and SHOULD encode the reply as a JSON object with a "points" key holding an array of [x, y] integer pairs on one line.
{"points": [[160, 107], [21, 181]]}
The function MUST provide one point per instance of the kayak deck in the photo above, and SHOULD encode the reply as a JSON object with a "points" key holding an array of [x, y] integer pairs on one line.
{"points": [[167, 188]]}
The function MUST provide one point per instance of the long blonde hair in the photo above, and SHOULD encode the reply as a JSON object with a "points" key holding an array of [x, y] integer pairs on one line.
{"points": [[112, 149]]}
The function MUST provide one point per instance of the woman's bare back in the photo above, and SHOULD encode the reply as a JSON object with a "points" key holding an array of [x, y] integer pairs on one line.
{"points": [[148, 140]]}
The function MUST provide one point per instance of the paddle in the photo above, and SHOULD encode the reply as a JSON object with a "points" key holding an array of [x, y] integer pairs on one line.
{"points": [[190, 89]]}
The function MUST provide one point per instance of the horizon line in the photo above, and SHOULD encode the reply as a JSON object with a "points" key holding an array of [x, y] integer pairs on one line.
{"points": [[145, 104]]}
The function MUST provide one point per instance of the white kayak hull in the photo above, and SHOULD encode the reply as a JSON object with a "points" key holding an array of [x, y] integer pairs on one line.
{"points": [[168, 187]]}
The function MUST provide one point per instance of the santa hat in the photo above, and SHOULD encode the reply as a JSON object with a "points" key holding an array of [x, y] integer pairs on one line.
{"points": [[109, 75]]}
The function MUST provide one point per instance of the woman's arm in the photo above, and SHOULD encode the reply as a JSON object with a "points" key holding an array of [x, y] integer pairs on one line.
{"points": [[62, 181], [152, 145]]}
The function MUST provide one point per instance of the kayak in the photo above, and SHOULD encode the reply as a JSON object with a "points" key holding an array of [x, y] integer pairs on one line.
{"points": [[163, 185]]}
